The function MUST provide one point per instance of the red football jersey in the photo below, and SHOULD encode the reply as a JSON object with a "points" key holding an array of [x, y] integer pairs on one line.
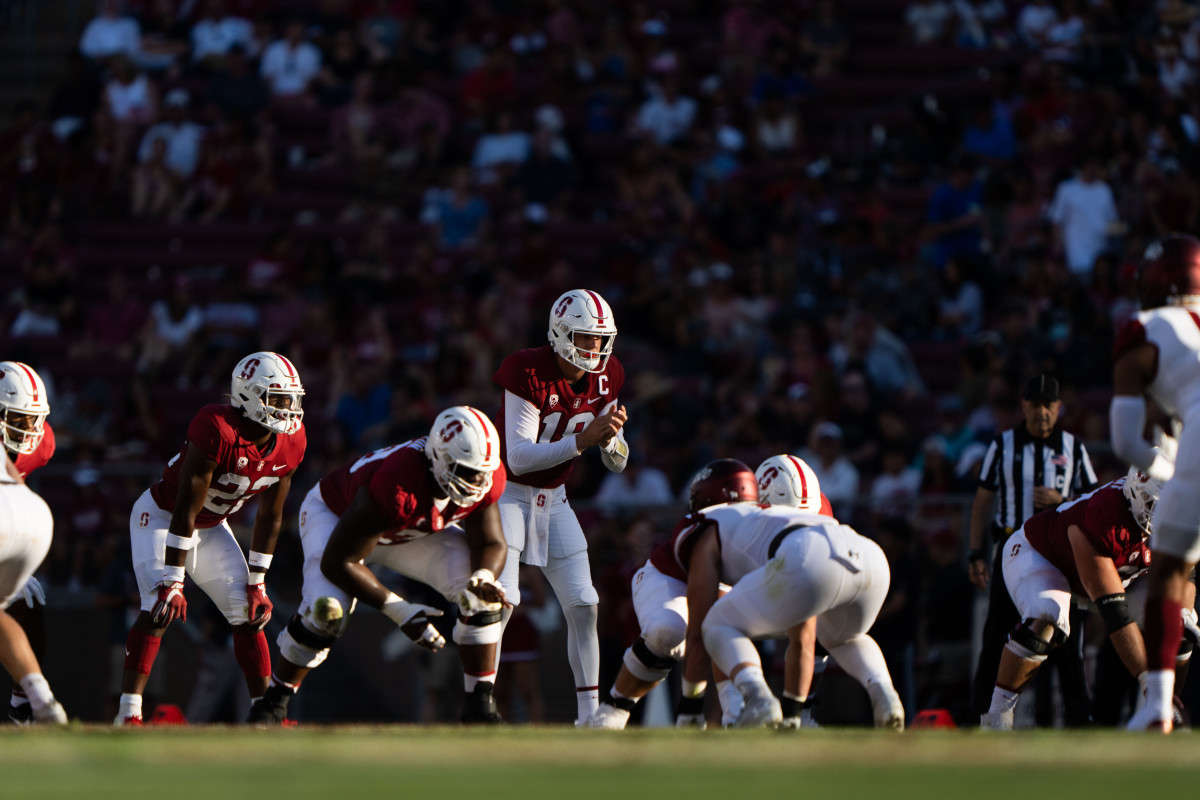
{"points": [[401, 486], [533, 374], [26, 463], [242, 469], [1104, 517]]}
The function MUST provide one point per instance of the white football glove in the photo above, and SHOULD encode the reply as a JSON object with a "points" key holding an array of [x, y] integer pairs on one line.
{"points": [[32, 593], [413, 619], [1191, 624], [483, 594]]}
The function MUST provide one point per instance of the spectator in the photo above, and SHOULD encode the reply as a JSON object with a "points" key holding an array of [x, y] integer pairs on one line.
{"points": [[500, 149], [342, 62], [884, 356], [181, 136], [171, 333], [111, 34], [837, 476], [960, 307], [1034, 22], [778, 128], [894, 493], [545, 179], [825, 41], [164, 37], [290, 64], [989, 137], [112, 326], [218, 33], [928, 21], [364, 410], [76, 99], [357, 127], [89, 522], [1084, 214], [781, 78], [1065, 37], [955, 215], [667, 116], [234, 88], [129, 95], [156, 188], [459, 214], [639, 485]]}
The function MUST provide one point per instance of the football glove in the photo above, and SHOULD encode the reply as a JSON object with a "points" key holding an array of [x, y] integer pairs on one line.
{"points": [[258, 605], [483, 593], [413, 619], [171, 604], [32, 593]]}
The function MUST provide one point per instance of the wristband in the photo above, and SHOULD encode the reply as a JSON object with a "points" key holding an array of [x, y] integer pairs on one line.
{"points": [[1114, 611], [976, 554], [256, 579], [694, 689], [261, 559], [173, 574], [184, 543], [396, 608], [690, 705], [482, 575]]}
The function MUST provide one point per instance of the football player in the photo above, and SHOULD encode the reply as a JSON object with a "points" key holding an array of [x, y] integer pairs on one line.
{"points": [[29, 443], [1093, 545], [559, 400], [1157, 353], [25, 531], [786, 480], [660, 602], [786, 566], [426, 509], [179, 525]]}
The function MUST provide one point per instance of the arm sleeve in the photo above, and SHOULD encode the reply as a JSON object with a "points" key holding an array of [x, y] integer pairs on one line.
{"points": [[1126, 419], [525, 452]]}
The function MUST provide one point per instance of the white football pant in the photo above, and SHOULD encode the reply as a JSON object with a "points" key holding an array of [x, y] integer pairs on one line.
{"points": [[26, 527], [1038, 589], [1176, 516]]}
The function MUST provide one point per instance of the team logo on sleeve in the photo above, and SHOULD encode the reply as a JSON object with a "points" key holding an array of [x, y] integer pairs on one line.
{"points": [[242, 462]]}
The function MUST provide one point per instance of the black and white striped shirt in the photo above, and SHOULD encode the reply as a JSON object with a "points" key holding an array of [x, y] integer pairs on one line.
{"points": [[1016, 462]]}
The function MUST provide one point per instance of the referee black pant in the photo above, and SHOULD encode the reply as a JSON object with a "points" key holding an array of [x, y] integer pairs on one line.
{"points": [[1067, 660]]}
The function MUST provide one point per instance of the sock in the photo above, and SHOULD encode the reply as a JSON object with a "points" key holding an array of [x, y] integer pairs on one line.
{"points": [[749, 675], [1164, 629], [140, 651], [587, 700], [1003, 700], [131, 706], [252, 654], [19, 698], [1159, 687], [291, 688], [38, 690], [471, 681], [621, 701], [583, 653], [729, 696]]}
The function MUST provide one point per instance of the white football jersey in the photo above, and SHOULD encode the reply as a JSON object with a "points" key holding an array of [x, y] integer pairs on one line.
{"points": [[1175, 331], [746, 530]]}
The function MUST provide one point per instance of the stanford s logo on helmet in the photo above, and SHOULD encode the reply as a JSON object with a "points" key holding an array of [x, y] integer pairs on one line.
{"points": [[1170, 272], [788, 481], [725, 480], [267, 388], [582, 311], [463, 449], [23, 407]]}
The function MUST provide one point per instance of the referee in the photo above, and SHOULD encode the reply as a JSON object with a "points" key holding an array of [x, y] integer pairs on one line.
{"points": [[1029, 468]]}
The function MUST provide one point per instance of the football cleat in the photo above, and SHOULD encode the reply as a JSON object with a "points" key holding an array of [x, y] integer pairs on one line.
{"points": [[762, 709], [53, 714], [480, 707], [133, 721], [608, 717], [1149, 720], [20, 715], [889, 711], [996, 721], [271, 709]]}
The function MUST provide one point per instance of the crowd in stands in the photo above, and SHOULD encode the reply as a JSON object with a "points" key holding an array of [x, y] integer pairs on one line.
{"points": [[392, 192]]}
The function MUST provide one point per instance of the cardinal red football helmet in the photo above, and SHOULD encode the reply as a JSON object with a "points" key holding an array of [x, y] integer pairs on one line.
{"points": [[1171, 271], [725, 480]]}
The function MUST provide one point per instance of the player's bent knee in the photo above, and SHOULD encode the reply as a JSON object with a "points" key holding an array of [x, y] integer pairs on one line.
{"points": [[645, 664], [587, 597], [482, 628], [665, 636], [302, 646], [1027, 644]]}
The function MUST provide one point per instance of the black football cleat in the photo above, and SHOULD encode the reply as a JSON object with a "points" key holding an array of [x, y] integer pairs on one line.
{"points": [[480, 708], [270, 710], [21, 715]]}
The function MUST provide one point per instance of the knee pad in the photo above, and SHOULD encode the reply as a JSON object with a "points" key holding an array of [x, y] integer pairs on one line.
{"points": [[482, 628], [666, 635], [302, 646], [646, 665], [1028, 645], [326, 617], [586, 596]]}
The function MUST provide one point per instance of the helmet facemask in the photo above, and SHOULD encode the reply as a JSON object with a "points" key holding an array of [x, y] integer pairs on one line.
{"points": [[22, 431], [464, 485], [267, 389], [464, 453], [1142, 493]]}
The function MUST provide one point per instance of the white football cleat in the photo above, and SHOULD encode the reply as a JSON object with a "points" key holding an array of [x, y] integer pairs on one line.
{"points": [[608, 717], [52, 714], [997, 721], [889, 711], [762, 709], [1149, 720]]}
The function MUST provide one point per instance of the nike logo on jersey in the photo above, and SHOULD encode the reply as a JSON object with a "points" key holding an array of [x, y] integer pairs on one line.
{"points": [[278, 467], [594, 399]]}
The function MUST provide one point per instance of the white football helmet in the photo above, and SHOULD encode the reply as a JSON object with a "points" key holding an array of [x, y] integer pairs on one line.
{"points": [[25, 407], [266, 387], [1141, 491], [582, 311], [788, 481], [464, 451]]}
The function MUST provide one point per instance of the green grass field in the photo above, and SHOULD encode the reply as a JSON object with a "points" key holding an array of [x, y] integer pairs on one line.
{"points": [[353, 762]]}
